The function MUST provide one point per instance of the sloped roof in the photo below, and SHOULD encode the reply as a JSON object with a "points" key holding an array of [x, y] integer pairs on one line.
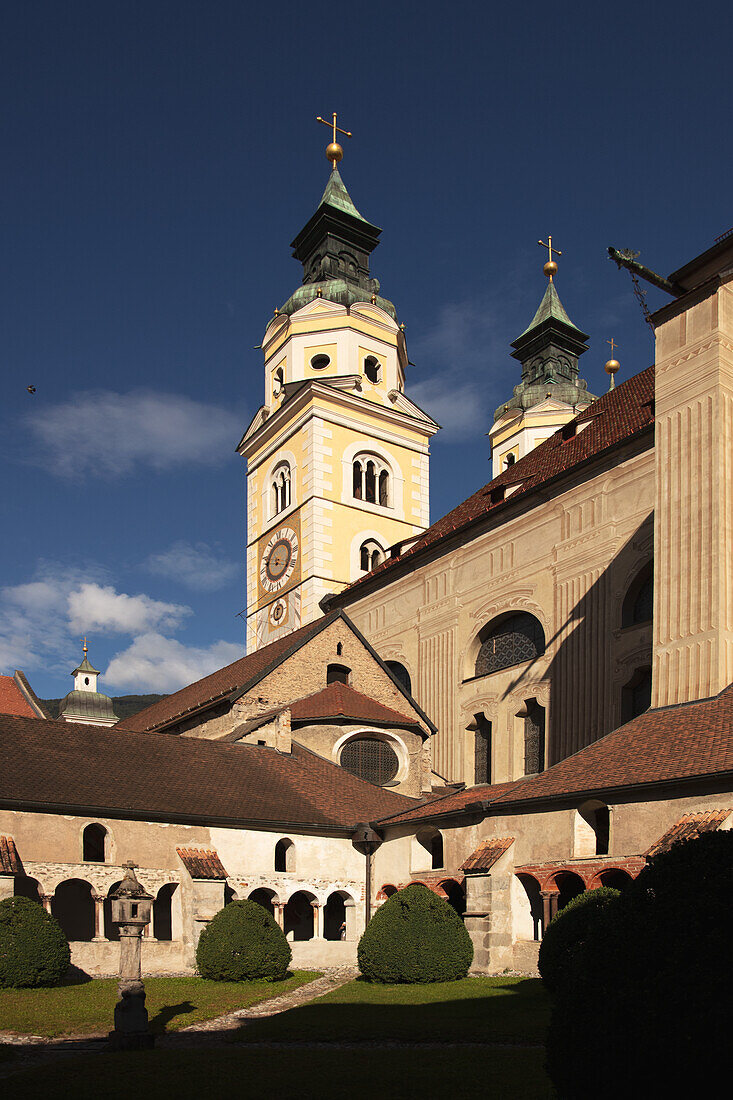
{"points": [[450, 803], [202, 862], [665, 745], [238, 676], [336, 195], [342, 701], [550, 308], [485, 856], [87, 704], [66, 766], [618, 416], [9, 859], [12, 700], [689, 827]]}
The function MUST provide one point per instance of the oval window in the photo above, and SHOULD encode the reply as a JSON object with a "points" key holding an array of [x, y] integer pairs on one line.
{"points": [[370, 759], [320, 362]]}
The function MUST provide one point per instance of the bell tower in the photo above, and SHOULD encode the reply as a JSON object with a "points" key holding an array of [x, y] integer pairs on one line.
{"points": [[337, 457]]}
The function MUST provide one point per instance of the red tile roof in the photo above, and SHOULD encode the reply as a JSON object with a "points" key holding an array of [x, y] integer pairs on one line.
{"points": [[667, 745], [688, 828], [9, 859], [12, 700], [202, 862], [66, 766], [342, 701], [237, 677], [451, 802], [485, 856], [613, 419]]}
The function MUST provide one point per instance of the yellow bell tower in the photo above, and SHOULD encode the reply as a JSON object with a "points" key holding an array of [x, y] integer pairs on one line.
{"points": [[337, 457]]}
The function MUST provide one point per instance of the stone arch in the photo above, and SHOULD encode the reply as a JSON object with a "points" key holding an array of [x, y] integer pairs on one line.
{"points": [[455, 894], [284, 855], [299, 917], [529, 924], [386, 891], [384, 460], [265, 897], [73, 908], [367, 536], [510, 639], [338, 916], [615, 877], [26, 887], [569, 885]]}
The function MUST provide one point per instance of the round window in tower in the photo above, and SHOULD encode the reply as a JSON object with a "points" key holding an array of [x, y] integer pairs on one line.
{"points": [[320, 362], [371, 759]]}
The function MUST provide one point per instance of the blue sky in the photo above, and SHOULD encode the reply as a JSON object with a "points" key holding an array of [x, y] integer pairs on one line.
{"points": [[158, 158]]}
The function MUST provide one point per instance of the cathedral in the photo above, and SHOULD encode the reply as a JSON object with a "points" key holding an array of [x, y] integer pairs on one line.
{"points": [[516, 703]]}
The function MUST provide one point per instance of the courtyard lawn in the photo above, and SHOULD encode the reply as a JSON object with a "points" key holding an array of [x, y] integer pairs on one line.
{"points": [[328, 1075], [87, 1008], [493, 1010]]}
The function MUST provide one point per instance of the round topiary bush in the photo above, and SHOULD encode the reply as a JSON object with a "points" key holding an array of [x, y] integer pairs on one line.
{"points": [[568, 931], [415, 937], [652, 982], [33, 949], [243, 942]]}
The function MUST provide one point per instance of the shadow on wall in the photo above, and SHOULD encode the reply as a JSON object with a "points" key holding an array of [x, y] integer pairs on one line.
{"points": [[600, 676]]}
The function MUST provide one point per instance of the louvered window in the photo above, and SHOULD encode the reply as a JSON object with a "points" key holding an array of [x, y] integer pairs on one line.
{"points": [[370, 759], [515, 639]]}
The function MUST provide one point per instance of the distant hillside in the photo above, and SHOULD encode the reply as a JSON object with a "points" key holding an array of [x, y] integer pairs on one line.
{"points": [[124, 705]]}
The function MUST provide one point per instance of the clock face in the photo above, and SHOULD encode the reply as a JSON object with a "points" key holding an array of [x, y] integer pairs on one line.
{"points": [[279, 559]]}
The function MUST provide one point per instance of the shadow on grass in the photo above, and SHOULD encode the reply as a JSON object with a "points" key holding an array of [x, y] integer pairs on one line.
{"points": [[158, 1023], [76, 976]]}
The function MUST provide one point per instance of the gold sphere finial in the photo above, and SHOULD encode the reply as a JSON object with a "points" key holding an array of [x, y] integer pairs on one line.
{"points": [[550, 267], [334, 151], [612, 365]]}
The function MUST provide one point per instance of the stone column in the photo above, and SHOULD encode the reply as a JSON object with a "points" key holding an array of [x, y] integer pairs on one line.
{"points": [[350, 920], [46, 900], [98, 919], [279, 914], [317, 921]]}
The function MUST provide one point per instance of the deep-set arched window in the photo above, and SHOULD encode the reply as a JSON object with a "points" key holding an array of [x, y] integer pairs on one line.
{"points": [[371, 480], [509, 640], [280, 488], [94, 844], [371, 555]]}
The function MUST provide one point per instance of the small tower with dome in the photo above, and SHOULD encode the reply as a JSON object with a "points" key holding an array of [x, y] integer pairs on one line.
{"points": [[85, 704]]}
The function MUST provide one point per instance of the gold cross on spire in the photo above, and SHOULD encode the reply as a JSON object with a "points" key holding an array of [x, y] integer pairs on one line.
{"points": [[334, 151], [85, 647], [612, 365], [613, 344], [550, 267]]}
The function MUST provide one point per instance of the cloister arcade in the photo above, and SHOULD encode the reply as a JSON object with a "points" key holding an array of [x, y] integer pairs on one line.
{"points": [[540, 892]]}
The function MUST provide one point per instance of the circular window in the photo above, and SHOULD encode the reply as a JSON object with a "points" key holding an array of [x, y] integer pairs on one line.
{"points": [[320, 362], [370, 759]]}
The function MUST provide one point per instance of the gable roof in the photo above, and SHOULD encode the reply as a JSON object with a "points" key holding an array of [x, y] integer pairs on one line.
{"points": [[620, 415], [668, 745], [66, 767], [689, 827], [12, 699], [485, 856], [343, 701]]}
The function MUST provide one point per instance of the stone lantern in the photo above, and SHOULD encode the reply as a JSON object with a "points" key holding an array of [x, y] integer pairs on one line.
{"points": [[131, 911]]}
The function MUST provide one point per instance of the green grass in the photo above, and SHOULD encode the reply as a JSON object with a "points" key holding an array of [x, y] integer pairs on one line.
{"points": [[475, 1009], [358, 1075], [172, 1003]]}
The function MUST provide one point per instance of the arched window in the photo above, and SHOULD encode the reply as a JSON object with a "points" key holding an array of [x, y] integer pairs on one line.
{"points": [[509, 640], [280, 488], [482, 749], [509, 460], [636, 695], [638, 603], [371, 480], [94, 844], [338, 674], [371, 555], [370, 758], [278, 382], [534, 738], [431, 841], [284, 855], [598, 817], [163, 912], [372, 369], [400, 674]]}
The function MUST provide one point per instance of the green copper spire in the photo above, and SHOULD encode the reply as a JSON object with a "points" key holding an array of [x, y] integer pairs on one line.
{"points": [[551, 308], [337, 195]]}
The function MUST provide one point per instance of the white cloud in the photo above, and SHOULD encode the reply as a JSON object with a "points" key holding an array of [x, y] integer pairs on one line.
{"points": [[108, 434], [92, 607], [158, 664], [195, 565]]}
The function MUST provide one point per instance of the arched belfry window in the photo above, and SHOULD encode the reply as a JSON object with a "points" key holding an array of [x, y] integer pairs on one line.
{"points": [[371, 555], [280, 488], [638, 604], [509, 640], [372, 369], [371, 480]]}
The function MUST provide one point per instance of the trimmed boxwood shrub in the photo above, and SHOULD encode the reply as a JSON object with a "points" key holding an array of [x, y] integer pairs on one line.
{"points": [[33, 949], [568, 931], [652, 983], [415, 937], [243, 942]]}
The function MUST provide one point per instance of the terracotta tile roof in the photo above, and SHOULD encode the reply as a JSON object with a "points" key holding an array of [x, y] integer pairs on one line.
{"points": [[688, 828], [9, 859], [202, 862], [66, 765], [486, 855], [670, 744], [237, 677], [616, 417], [12, 700], [342, 701], [450, 803]]}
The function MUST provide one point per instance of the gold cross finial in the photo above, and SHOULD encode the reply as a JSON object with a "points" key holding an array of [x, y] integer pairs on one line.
{"points": [[85, 647], [612, 365], [613, 344], [550, 267], [334, 151]]}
